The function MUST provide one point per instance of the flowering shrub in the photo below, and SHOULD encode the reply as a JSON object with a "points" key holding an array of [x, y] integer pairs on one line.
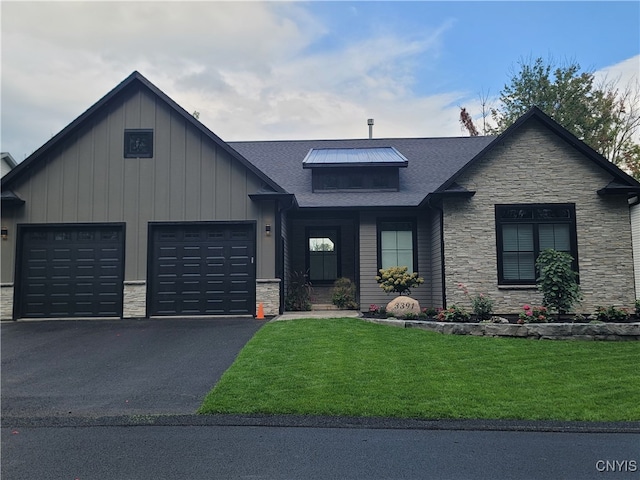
{"points": [[453, 314], [531, 314], [373, 308], [482, 305], [398, 279], [611, 314]]}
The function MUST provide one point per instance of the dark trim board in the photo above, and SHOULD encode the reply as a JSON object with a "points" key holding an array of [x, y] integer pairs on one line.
{"points": [[69, 270], [201, 268]]}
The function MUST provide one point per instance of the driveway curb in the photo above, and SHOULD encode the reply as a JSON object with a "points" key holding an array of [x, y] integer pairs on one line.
{"points": [[303, 421]]}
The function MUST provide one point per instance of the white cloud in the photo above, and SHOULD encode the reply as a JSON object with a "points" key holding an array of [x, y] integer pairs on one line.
{"points": [[244, 66]]}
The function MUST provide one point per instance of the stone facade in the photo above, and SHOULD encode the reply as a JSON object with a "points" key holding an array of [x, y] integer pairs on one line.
{"points": [[135, 300], [534, 331], [6, 302], [268, 293], [536, 166]]}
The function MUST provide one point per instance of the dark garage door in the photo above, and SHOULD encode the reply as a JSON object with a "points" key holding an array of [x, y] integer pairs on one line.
{"points": [[70, 270], [201, 268]]}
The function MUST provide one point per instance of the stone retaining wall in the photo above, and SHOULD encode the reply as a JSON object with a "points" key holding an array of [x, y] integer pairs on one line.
{"points": [[536, 331]]}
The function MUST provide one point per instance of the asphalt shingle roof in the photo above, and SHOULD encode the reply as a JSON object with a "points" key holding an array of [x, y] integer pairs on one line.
{"points": [[431, 162]]}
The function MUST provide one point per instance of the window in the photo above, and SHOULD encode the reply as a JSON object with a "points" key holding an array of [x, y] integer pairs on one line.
{"points": [[396, 244], [523, 231], [350, 178], [138, 143]]}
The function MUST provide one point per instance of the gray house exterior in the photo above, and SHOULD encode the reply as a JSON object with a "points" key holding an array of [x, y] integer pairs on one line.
{"points": [[137, 209]]}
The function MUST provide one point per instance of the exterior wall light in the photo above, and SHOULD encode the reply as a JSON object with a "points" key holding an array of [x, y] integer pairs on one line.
{"points": [[267, 229], [4, 233]]}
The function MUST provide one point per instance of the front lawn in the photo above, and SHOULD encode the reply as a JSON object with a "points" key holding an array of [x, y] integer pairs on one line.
{"points": [[354, 368]]}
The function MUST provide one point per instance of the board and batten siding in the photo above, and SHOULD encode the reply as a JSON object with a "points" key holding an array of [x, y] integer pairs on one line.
{"points": [[370, 291], [535, 166], [189, 178]]}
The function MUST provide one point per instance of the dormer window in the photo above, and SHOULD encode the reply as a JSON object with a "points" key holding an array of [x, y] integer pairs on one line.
{"points": [[355, 169]]}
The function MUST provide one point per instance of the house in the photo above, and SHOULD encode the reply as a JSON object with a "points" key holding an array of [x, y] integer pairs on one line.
{"points": [[137, 209], [7, 164]]}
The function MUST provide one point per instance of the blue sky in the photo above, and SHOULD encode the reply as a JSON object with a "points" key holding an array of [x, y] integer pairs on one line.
{"points": [[292, 70]]}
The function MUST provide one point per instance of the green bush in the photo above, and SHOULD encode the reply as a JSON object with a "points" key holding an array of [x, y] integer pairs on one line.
{"points": [[557, 282], [612, 314], [453, 314], [398, 279], [344, 294]]}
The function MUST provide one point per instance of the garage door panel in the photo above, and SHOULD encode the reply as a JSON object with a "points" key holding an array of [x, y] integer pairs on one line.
{"points": [[70, 270], [204, 263]]}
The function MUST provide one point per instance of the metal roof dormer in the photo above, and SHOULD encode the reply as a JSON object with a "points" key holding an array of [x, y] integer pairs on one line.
{"points": [[354, 157]]}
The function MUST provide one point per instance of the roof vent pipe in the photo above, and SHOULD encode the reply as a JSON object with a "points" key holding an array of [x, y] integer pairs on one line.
{"points": [[370, 123]]}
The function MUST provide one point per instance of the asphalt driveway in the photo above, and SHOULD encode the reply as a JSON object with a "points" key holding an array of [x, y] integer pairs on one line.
{"points": [[121, 367]]}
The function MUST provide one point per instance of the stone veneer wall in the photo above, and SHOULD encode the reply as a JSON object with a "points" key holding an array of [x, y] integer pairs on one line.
{"points": [[535, 166], [135, 299], [268, 293], [6, 301]]}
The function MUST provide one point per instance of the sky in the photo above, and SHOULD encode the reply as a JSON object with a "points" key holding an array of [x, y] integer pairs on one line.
{"points": [[296, 70]]}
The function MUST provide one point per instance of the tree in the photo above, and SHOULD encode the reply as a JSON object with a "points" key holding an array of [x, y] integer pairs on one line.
{"points": [[600, 114]]}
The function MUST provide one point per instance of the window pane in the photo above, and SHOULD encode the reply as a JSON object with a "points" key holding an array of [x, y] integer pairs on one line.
{"points": [[405, 259], [405, 240], [517, 238], [554, 236], [518, 266], [389, 240], [389, 259]]}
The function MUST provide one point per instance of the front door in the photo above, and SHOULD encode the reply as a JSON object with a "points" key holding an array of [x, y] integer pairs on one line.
{"points": [[323, 255]]}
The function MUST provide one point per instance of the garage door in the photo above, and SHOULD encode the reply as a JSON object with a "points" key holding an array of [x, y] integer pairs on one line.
{"points": [[201, 268], [70, 270]]}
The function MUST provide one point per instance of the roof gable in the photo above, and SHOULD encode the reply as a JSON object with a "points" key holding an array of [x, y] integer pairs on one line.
{"points": [[624, 183], [135, 80]]}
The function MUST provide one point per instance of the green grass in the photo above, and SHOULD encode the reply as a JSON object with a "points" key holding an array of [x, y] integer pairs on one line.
{"points": [[354, 368]]}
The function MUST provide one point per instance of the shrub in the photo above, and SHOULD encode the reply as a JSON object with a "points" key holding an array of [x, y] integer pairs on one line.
{"points": [[398, 279], [453, 314], [638, 307], [482, 305], [557, 282], [344, 294], [298, 293], [430, 312], [410, 316], [531, 314], [611, 314]]}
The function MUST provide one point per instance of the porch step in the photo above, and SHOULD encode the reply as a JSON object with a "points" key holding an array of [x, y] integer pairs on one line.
{"points": [[323, 306]]}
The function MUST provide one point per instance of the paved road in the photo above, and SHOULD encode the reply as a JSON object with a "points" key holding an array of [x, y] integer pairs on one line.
{"points": [[228, 452], [116, 367]]}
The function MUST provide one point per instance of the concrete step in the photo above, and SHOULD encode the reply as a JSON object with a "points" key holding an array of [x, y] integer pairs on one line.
{"points": [[323, 306]]}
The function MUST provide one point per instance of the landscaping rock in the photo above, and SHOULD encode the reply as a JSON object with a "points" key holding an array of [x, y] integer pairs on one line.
{"points": [[402, 305]]}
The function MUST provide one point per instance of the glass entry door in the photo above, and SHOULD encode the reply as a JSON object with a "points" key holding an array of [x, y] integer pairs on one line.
{"points": [[322, 254]]}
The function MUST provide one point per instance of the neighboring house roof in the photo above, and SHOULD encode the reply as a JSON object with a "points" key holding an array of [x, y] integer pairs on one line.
{"points": [[8, 163], [132, 81], [430, 163]]}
